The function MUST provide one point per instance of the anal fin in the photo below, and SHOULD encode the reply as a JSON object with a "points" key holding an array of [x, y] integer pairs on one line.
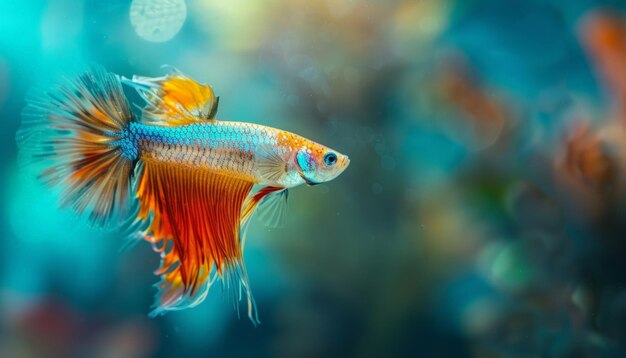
{"points": [[195, 225]]}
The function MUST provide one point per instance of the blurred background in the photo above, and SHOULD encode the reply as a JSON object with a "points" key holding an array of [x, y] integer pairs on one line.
{"points": [[482, 214]]}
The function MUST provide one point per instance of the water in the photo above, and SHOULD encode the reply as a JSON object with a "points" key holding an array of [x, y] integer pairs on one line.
{"points": [[481, 214]]}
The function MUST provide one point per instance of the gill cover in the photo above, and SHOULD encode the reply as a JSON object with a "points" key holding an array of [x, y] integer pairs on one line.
{"points": [[306, 166]]}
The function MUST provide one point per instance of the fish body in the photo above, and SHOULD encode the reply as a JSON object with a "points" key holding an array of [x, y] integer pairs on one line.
{"points": [[236, 149], [176, 176]]}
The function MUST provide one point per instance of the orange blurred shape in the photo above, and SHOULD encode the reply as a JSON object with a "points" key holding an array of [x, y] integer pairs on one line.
{"points": [[586, 158], [467, 95], [603, 34], [49, 327]]}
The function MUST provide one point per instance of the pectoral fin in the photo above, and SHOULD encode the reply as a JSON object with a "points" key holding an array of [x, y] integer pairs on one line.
{"points": [[272, 166]]}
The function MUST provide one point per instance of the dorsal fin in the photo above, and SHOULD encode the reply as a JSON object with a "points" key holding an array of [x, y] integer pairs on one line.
{"points": [[196, 226], [175, 99]]}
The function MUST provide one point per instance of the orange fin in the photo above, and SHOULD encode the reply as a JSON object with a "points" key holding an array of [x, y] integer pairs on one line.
{"points": [[175, 99], [73, 135], [195, 225]]}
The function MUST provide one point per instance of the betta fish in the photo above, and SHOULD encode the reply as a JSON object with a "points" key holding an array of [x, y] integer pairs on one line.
{"points": [[173, 175]]}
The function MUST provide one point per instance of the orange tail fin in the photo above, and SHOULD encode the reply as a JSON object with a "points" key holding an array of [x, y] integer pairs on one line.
{"points": [[75, 134]]}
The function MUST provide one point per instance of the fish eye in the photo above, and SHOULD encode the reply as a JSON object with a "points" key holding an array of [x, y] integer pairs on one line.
{"points": [[330, 159]]}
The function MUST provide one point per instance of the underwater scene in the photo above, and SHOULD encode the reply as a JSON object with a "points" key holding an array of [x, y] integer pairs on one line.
{"points": [[333, 178]]}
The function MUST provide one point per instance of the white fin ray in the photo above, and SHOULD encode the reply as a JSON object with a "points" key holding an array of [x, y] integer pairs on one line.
{"points": [[273, 209], [271, 164]]}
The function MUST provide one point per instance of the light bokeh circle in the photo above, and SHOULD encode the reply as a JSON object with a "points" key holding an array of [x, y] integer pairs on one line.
{"points": [[157, 20]]}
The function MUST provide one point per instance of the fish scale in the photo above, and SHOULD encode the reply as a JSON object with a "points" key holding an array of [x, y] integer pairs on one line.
{"points": [[231, 148]]}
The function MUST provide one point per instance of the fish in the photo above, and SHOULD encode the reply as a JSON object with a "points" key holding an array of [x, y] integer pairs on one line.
{"points": [[171, 174]]}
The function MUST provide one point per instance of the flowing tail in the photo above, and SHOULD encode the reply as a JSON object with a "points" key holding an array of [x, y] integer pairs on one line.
{"points": [[76, 134]]}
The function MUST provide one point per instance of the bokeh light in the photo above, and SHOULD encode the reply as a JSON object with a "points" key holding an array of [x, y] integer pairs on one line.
{"points": [[157, 20]]}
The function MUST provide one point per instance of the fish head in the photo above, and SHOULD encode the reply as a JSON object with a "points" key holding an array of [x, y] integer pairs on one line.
{"points": [[317, 164]]}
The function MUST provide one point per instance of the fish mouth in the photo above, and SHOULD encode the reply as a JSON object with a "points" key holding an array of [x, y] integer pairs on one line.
{"points": [[345, 162]]}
